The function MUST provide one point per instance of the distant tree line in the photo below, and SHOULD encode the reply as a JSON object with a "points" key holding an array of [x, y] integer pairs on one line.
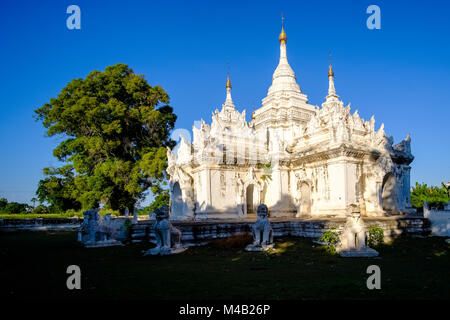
{"points": [[436, 197], [14, 207]]}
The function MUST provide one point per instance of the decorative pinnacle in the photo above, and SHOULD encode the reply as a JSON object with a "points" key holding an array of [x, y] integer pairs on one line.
{"points": [[228, 85], [330, 69], [282, 38]]}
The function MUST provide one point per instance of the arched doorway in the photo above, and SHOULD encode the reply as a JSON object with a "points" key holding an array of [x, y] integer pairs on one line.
{"points": [[389, 195], [305, 202], [250, 198], [177, 200]]}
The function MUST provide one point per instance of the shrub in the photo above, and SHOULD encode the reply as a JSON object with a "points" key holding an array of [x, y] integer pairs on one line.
{"points": [[375, 237], [331, 238], [40, 209], [127, 224]]}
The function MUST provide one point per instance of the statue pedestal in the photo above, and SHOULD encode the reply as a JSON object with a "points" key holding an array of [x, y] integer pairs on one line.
{"points": [[358, 252], [103, 243], [263, 247]]}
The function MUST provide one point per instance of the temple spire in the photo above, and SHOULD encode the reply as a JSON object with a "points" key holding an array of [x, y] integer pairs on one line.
{"points": [[331, 89], [283, 39], [283, 78], [228, 101]]}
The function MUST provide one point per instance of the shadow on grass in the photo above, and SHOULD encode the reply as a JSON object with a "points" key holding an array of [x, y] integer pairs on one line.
{"points": [[34, 266]]}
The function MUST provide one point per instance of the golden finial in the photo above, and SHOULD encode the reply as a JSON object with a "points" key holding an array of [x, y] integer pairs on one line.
{"points": [[228, 85], [330, 69], [330, 72], [282, 38], [228, 82]]}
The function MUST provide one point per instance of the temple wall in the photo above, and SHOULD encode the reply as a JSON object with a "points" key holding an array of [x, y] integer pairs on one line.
{"points": [[222, 191], [202, 188], [273, 193], [332, 186], [196, 233], [338, 183]]}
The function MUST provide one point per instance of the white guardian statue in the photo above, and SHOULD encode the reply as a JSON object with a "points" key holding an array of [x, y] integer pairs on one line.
{"points": [[168, 238], [262, 231]]}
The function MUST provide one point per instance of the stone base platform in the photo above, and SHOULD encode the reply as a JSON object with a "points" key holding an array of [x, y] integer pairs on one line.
{"points": [[362, 252], [164, 252], [104, 243], [199, 232], [263, 247]]}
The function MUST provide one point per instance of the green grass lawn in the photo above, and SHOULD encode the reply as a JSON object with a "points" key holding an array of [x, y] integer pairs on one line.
{"points": [[35, 215], [33, 265]]}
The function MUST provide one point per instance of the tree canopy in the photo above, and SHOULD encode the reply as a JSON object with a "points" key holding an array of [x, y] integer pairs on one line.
{"points": [[435, 196], [13, 207], [115, 129]]}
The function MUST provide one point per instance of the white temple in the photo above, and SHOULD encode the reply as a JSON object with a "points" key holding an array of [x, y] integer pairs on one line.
{"points": [[298, 159]]}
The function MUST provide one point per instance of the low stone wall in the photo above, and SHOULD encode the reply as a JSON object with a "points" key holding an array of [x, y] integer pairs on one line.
{"points": [[440, 221], [199, 232], [40, 224]]}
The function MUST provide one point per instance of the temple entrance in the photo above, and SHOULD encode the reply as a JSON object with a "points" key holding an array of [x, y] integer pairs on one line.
{"points": [[305, 202], [177, 200], [389, 195], [250, 199]]}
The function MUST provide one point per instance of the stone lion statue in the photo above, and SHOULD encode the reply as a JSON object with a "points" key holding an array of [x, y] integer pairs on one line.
{"points": [[90, 226], [262, 231], [168, 238], [107, 229], [95, 232], [354, 232], [353, 238]]}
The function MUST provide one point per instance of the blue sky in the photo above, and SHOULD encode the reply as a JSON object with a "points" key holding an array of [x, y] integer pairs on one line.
{"points": [[400, 73]]}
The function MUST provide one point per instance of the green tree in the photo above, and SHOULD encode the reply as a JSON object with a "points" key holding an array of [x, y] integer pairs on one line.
{"points": [[3, 203], [160, 200], [435, 196], [15, 207], [40, 209], [116, 129], [447, 188], [58, 189], [34, 200]]}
